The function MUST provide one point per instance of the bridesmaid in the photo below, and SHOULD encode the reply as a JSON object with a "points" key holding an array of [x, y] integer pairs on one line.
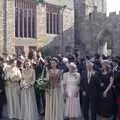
{"points": [[28, 102], [13, 76], [53, 96]]}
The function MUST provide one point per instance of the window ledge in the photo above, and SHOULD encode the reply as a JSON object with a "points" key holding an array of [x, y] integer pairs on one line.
{"points": [[52, 35], [20, 38]]}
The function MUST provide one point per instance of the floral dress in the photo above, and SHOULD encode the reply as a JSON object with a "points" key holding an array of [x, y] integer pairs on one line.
{"points": [[71, 84]]}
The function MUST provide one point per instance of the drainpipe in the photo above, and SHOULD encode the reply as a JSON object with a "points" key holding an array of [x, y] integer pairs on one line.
{"points": [[62, 38]]}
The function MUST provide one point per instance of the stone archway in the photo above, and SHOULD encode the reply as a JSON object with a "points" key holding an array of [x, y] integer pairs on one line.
{"points": [[105, 42]]}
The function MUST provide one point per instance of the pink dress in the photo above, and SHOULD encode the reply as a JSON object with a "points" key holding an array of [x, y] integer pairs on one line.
{"points": [[72, 106]]}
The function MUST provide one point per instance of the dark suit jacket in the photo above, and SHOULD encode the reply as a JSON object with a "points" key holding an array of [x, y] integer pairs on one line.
{"points": [[116, 75], [91, 87], [2, 88]]}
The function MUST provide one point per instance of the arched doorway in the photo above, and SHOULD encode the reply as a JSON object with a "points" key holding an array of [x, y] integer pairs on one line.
{"points": [[105, 42]]}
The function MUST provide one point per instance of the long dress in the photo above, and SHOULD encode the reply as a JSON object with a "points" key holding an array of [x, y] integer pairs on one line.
{"points": [[72, 107], [28, 102], [106, 104], [53, 110], [12, 89]]}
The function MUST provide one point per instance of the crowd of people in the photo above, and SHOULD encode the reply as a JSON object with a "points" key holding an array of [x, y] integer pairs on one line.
{"points": [[81, 88]]}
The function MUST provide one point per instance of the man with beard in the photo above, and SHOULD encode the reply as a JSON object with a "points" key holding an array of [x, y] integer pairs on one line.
{"points": [[2, 90]]}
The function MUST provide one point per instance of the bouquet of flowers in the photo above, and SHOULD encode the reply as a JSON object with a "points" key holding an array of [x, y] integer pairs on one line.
{"points": [[7, 75], [25, 84], [43, 83]]}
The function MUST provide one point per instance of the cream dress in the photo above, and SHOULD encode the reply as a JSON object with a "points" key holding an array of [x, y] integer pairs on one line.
{"points": [[72, 106], [54, 102], [28, 102], [12, 88]]}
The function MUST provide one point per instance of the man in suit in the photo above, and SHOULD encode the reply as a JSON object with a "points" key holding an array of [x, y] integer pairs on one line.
{"points": [[2, 90], [89, 91], [38, 67]]}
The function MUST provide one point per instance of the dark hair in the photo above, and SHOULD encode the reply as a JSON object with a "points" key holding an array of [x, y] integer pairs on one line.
{"points": [[71, 58], [57, 62], [97, 56], [27, 60], [30, 55], [87, 57]]}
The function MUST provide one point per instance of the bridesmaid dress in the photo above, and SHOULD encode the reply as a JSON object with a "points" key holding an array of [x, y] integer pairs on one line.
{"points": [[28, 102], [12, 89], [53, 110]]}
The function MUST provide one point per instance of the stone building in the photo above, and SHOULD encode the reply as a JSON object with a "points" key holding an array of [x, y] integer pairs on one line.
{"points": [[96, 32], [26, 24]]}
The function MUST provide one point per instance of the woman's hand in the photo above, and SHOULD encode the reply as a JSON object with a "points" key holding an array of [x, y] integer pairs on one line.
{"points": [[1, 91]]}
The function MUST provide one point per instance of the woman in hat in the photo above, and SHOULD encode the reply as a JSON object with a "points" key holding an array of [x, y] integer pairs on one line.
{"points": [[71, 81], [53, 103], [28, 101], [106, 99]]}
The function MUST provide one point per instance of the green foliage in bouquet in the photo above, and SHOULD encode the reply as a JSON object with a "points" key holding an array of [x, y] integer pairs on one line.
{"points": [[43, 83]]}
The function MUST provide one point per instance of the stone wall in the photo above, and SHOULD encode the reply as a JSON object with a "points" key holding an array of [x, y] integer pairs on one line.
{"points": [[98, 31], [69, 3], [10, 26], [1, 26], [65, 38], [41, 25]]}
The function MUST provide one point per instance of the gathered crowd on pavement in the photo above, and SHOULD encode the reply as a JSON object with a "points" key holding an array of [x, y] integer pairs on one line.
{"points": [[59, 87]]}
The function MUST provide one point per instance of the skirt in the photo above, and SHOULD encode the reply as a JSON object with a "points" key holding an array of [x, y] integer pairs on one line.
{"points": [[28, 104], [13, 102], [72, 107], [54, 105]]}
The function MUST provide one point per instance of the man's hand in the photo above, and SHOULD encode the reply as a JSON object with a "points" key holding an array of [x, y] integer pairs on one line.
{"points": [[1, 91], [84, 93]]}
